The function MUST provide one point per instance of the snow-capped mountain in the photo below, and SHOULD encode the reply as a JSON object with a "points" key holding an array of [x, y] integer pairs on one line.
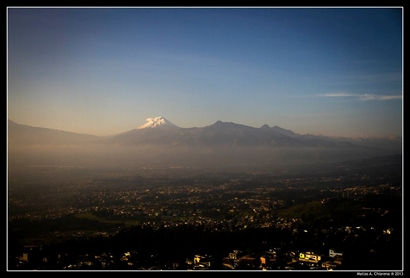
{"points": [[161, 132], [159, 143], [156, 122], [153, 132]]}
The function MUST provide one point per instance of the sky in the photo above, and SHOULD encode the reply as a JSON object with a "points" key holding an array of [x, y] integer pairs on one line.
{"points": [[324, 71]]}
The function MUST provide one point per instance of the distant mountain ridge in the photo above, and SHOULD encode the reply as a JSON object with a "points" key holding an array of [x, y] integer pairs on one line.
{"points": [[160, 131], [221, 145], [233, 134]]}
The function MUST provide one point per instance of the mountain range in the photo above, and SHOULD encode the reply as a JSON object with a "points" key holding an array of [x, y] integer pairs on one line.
{"points": [[160, 143], [160, 131]]}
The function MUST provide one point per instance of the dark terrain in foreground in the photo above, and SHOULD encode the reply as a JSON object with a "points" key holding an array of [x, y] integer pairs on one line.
{"points": [[76, 218]]}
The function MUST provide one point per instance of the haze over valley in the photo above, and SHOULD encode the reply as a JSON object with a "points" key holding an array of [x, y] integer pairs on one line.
{"points": [[222, 145]]}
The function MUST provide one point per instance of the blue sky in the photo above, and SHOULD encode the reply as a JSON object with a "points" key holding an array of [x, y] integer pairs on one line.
{"points": [[334, 72]]}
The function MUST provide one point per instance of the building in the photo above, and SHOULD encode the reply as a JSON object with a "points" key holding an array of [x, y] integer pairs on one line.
{"points": [[333, 253], [201, 262], [309, 257], [233, 255], [329, 265], [23, 258], [271, 255]]}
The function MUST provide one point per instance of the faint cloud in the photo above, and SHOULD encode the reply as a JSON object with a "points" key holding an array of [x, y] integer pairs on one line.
{"points": [[337, 95], [363, 97], [379, 97]]}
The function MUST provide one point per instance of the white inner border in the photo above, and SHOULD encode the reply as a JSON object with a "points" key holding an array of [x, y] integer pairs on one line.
{"points": [[207, 7]]}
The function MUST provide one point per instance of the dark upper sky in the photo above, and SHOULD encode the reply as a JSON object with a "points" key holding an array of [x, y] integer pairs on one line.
{"points": [[101, 71]]}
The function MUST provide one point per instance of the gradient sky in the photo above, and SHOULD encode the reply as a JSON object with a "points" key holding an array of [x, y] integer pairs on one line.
{"points": [[334, 72]]}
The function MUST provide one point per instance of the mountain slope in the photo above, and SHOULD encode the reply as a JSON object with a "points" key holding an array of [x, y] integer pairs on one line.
{"points": [[19, 134]]}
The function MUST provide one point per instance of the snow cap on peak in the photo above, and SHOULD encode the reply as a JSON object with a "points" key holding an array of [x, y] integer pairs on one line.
{"points": [[156, 122]]}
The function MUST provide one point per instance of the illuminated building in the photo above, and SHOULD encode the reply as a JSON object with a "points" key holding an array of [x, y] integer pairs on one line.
{"points": [[197, 259], [233, 255], [333, 253], [309, 257], [199, 262], [329, 265], [24, 258]]}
